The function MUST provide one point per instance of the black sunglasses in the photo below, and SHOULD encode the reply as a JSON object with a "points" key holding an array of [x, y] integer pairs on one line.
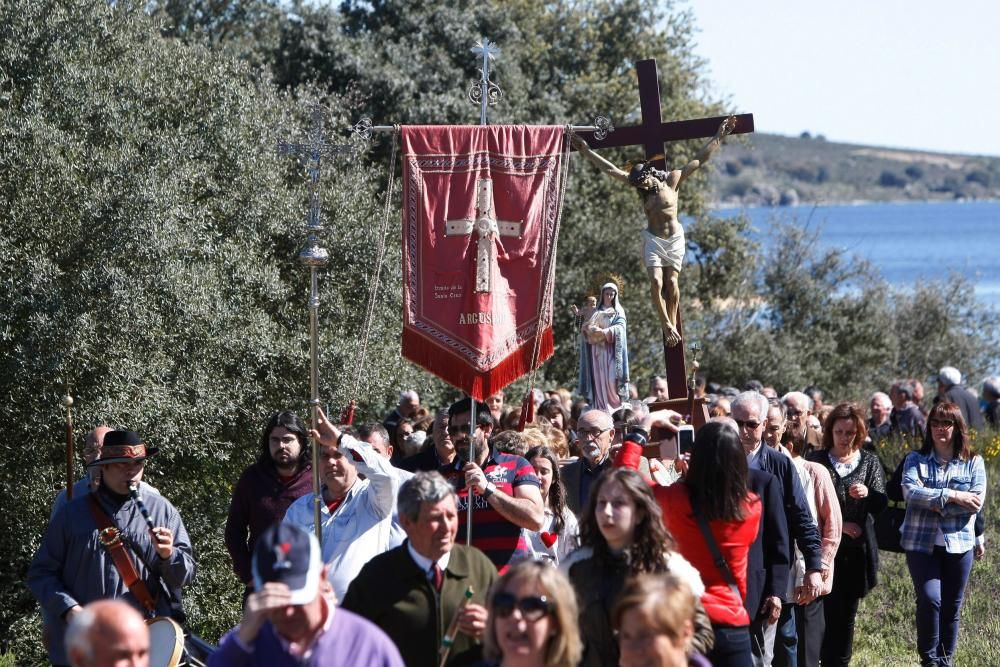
{"points": [[532, 608], [464, 428]]}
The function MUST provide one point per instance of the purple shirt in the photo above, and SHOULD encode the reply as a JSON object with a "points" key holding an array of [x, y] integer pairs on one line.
{"points": [[350, 640]]}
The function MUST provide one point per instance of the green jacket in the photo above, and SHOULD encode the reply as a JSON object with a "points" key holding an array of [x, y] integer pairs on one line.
{"points": [[395, 594]]}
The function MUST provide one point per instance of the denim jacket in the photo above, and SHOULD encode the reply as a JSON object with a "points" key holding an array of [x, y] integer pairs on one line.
{"points": [[927, 488]]}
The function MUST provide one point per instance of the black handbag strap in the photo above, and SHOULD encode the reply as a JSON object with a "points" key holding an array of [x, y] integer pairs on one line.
{"points": [[713, 546]]}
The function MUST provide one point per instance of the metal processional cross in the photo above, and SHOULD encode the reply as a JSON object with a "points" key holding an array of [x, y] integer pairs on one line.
{"points": [[314, 256], [485, 92]]}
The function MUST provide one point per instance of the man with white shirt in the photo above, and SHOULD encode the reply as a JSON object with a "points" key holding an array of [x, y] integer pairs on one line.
{"points": [[413, 591], [376, 436], [356, 514]]}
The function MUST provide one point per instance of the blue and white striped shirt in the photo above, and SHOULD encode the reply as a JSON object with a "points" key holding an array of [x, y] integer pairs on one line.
{"points": [[927, 487]]}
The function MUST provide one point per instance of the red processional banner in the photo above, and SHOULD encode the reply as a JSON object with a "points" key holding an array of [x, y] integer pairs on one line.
{"points": [[481, 207]]}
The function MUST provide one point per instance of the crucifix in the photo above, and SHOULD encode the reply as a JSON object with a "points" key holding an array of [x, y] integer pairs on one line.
{"points": [[489, 230], [314, 256], [651, 133]]}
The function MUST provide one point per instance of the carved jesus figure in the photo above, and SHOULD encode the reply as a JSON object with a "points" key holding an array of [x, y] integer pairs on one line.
{"points": [[663, 238]]}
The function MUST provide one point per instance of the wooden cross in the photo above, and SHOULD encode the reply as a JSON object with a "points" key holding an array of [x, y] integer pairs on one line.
{"points": [[489, 230], [651, 133]]}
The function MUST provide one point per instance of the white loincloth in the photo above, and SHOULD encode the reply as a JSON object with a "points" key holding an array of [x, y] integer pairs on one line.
{"points": [[658, 251]]}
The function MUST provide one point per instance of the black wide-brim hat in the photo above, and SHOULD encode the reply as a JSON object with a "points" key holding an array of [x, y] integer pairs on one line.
{"points": [[123, 447]]}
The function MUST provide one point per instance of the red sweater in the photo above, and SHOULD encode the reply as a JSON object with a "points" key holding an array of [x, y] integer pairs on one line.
{"points": [[259, 500], [734, 539]]}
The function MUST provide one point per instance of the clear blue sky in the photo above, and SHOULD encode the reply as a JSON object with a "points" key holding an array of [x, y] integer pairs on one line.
{"points": [[918, 74]]}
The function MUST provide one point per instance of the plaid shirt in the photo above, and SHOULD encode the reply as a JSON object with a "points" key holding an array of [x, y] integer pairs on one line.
{"points": [[927, 487]]}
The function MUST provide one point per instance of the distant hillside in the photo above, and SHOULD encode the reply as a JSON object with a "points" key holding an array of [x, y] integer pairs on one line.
{"points": [[774, 170]]}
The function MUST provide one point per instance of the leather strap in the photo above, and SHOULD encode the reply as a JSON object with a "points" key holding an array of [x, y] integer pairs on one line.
{"points": [[110, 536], [713, 546]]}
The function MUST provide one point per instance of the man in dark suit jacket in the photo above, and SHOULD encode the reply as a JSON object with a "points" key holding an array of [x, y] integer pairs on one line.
{"points": [[770, 559], [950, 389], [595, 430], [750, 413], [413, 591]]}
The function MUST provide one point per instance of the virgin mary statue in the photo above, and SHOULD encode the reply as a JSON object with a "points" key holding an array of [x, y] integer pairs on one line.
{"points": [[604, 353]]}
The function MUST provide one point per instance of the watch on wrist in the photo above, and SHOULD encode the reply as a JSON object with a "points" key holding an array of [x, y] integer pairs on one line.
{"points": [[489, 490]]}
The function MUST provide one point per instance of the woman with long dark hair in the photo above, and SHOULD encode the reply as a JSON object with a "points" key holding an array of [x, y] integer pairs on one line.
{"points": [[716, 488], [622, 534], [559, 535], [860, 484], [944, 485]]}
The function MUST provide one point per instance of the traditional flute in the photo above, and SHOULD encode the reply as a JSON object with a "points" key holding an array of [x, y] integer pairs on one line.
{"points": [[449, 636], [133, 490]]}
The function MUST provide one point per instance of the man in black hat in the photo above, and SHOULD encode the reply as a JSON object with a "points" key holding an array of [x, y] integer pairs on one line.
{"points": [[286, 619], [101, 540]]}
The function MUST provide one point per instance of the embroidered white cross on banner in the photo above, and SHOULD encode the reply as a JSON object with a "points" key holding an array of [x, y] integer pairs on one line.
{"points": [[489, 230]]}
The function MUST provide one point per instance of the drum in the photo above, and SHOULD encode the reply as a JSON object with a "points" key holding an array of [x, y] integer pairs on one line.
{"points": [[166, 642]]}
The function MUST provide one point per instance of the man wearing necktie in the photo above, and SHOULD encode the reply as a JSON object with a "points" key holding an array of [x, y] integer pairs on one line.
{"points": [[416, 590]]}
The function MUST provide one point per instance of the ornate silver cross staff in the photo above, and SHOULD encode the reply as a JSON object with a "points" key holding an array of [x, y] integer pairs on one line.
{"points": [[314, 256], [484, 92]]}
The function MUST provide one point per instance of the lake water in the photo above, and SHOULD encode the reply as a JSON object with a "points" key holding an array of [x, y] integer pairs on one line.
{"points": [[908, 241]]}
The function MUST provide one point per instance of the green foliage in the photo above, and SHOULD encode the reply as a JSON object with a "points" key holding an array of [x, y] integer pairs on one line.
{"points": [[803, 172], [942, 323], [827, 172], [978, 176], [794, 315], [798, 317], [561, 62], [721, 261], [890, 179], [147, 257]]}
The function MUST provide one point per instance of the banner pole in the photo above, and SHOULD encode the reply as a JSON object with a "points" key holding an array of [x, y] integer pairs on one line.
{"points": [[472, 459]]}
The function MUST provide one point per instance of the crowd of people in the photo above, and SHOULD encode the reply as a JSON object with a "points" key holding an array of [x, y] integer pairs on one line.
{"points": [[449, 537]]}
